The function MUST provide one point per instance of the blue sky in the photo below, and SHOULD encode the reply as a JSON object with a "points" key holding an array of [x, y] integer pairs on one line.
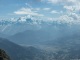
{"points": [[62, 9], [8, 7]]}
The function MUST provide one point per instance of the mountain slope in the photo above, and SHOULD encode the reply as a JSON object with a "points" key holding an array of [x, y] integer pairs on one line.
{"points": [[3, 35], [17, 52], [31, 37]]}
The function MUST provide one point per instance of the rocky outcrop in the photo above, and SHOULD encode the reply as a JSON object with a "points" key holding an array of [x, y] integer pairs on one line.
{"points": [[3, 55]]}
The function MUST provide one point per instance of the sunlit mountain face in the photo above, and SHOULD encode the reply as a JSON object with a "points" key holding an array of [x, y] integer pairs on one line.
{"points": [[49, 27]]}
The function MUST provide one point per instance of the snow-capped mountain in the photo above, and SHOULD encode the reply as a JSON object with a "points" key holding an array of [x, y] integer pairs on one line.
{"points": [[16, 25]]}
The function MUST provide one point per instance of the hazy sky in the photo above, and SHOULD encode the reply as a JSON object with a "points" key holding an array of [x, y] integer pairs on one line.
{"points": [[63, 9]]}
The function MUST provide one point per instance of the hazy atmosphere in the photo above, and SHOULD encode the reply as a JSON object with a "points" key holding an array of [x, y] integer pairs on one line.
{"points": [[40, 29]]}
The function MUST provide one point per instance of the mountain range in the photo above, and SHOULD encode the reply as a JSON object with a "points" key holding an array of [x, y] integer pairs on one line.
{"points": [[27, 38], [66, 48], [21, 24]]}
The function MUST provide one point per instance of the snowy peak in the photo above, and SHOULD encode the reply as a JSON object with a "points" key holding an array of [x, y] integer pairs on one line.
{"points": [[37, 21]]}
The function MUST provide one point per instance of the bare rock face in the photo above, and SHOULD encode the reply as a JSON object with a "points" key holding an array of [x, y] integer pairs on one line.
{"points": [[3, 55]]}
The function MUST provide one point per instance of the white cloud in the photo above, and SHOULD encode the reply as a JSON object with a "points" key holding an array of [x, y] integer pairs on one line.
{"points": [[27, 11], [70, 8], [53, 1], [54, 12], [68, 4], [71, 19], [69, 16], [75, 16], [46, 9], [65, 1], [38, 9], [65, 19]]}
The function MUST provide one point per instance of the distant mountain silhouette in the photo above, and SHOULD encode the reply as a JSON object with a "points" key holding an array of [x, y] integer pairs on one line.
{"points": [[31, 37]]}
